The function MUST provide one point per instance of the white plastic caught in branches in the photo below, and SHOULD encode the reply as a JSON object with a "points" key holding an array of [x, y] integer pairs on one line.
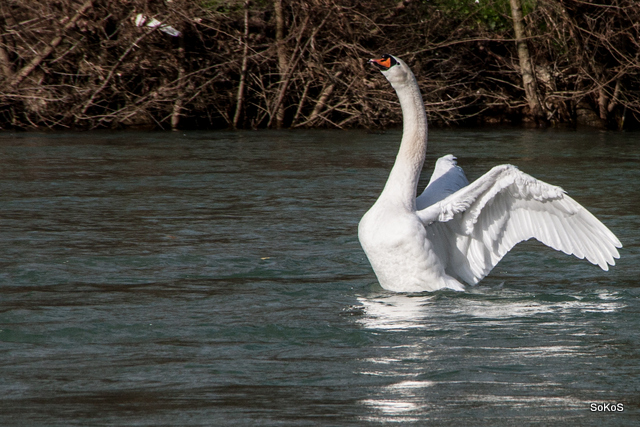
{"points": [[153, 23]]}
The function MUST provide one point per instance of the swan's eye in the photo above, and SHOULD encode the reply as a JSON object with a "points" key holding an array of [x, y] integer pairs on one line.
{"points": [[387, 61]]}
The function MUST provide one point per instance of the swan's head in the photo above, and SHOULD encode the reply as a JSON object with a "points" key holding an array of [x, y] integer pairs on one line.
{"points": [[394, 69]]}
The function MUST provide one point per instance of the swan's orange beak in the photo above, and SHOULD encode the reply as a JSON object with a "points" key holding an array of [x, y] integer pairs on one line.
{"points": [[381, 63]]}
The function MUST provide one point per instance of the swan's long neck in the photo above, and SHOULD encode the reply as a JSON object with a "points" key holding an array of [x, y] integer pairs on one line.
{"points": [[403, 179]]}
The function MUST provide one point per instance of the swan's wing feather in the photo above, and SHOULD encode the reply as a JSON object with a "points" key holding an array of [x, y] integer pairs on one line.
{"points": [[480, 223], [447, 178]]}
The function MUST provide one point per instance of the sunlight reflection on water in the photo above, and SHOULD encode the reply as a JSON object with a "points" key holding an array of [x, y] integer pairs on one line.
{"points": [[394, 312], [401, 312]]}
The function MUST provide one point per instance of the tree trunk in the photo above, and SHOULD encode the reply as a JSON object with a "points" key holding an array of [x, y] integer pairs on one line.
{"points": [[282, 55], [5, 64], [327, 90], [177, 105], [603, 104], [243, 69], [526, 67]]}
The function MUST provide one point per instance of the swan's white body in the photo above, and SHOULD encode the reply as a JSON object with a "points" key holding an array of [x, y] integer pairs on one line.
{"points": [[455, 231]]}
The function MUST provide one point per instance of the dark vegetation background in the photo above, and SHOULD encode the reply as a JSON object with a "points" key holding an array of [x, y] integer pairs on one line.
{"points": [[84, 64]]}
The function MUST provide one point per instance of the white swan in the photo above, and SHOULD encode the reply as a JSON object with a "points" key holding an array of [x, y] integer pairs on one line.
{"points": [[455, 231]]}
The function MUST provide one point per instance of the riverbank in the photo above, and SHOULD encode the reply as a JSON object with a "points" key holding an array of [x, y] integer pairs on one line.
{"points": [[214, 64]]}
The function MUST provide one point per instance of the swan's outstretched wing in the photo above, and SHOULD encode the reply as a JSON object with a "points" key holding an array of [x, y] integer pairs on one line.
{"points": [[473, 228]]}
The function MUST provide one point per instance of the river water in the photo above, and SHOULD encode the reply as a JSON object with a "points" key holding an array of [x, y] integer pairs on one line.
{"points": [[216, 279]]}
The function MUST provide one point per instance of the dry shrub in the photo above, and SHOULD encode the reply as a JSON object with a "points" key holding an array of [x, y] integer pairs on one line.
{"points": [[107, 72]]}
